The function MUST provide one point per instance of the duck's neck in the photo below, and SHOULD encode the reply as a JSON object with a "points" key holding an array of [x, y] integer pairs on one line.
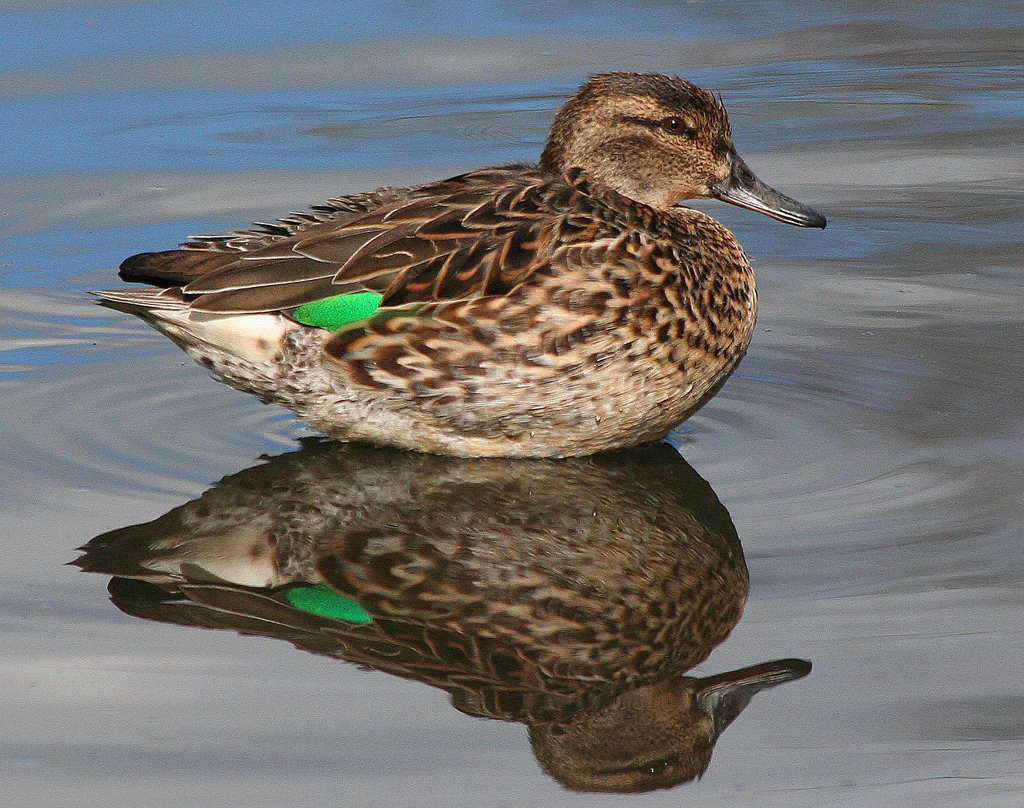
{"points": [[635, 213]]}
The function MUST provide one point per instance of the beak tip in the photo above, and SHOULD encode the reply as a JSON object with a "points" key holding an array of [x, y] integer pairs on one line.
{"points": [[818, 221]]}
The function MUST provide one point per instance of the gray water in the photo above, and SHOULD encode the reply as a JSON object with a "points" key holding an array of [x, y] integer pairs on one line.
{"points": [[870, 450]]}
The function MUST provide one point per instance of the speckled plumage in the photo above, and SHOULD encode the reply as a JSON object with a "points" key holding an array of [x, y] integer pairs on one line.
{"points": [[555, 310], [570, 595]]}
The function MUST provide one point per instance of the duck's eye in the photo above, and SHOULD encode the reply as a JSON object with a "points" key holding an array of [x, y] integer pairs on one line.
{"points": [[675, 125]]}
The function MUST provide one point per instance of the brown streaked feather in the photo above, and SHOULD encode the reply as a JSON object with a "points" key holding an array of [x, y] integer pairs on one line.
{"points": [[172, 267], [477, 268], [272, 272], [457, 239], [333, 212], [136, 301], [203, 254], [346, 248], [254, 299]]}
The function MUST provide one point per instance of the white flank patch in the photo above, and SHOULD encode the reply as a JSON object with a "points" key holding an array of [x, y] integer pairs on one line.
{"points": [[250, 337]]}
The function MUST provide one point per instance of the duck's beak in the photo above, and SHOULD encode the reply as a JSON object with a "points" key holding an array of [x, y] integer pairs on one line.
{"points": [[724, 696], [742, 188]]}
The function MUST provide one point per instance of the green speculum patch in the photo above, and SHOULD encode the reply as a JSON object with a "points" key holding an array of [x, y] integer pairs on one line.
{"points": [[324, 601], [332, 313]]}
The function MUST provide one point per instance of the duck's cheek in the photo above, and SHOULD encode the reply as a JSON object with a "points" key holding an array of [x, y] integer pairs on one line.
{"points": [[681, 193], [661, 199]]}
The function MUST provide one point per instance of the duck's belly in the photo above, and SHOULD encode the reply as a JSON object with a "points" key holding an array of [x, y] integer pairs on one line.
{"points": [[555, 397]]}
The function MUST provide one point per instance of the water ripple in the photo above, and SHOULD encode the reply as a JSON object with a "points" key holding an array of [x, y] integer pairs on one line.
{"points": [[99, 401]]}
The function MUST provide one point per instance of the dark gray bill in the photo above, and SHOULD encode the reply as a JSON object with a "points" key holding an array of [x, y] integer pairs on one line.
{"points": [[742, 188], [724, 696]]}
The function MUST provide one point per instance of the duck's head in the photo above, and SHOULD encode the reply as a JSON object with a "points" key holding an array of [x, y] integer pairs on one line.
{"points": [[660, 140]]}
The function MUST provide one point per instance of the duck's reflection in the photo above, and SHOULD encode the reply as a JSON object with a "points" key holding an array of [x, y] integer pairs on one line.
{"points": [[570, 595]]}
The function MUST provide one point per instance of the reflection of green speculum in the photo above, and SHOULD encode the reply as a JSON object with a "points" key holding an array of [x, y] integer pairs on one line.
{"points": [[324, 601], [334, 312]]}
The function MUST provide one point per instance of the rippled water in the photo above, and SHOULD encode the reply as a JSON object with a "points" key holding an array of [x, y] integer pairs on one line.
{"points": [[870, 451]]}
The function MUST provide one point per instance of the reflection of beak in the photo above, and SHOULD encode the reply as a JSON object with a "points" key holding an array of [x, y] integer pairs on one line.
{"points": [[724, 696], [742, 188]]}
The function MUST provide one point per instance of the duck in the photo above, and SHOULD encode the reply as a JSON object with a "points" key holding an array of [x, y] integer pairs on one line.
{"points": [[571, 595], [551, 310]]}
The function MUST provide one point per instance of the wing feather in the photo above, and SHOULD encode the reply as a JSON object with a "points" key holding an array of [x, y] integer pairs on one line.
{"points": [[475, 235], [266, 298], [246, 275]]}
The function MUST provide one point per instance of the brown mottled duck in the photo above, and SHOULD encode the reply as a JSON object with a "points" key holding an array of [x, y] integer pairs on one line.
{"points": [[560, 309], [570, 595]]}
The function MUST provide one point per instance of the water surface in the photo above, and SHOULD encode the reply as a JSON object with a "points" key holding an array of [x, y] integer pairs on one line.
{"points": [[870, 450]]}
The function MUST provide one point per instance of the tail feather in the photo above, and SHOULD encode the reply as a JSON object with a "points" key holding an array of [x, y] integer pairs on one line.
{"points": [[132, 300], [173, 267]]}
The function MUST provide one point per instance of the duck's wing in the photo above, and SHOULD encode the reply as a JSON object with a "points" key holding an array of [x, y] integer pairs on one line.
{"points": [[203, 254], [475, 235]]}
